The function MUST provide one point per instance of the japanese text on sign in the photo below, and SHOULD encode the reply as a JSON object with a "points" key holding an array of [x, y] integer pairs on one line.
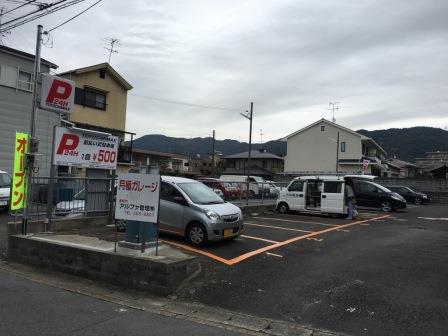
{"points": [[137, 197], [74, 147], [18, 188]]}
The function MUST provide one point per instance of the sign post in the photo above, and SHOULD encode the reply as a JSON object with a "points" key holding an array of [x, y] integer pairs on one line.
{"points": [[137, 202]]}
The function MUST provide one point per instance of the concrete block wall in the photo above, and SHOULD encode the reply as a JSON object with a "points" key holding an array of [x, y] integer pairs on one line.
{"points": [[161, 277]]}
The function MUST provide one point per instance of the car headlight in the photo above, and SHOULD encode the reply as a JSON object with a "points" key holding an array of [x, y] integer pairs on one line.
{"points": [[425, 197], [212, 215]]}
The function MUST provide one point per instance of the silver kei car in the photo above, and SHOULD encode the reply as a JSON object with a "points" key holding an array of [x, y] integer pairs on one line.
{"points": [[191, 209]]}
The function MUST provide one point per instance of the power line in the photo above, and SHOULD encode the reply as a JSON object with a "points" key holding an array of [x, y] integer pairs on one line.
{"points": [[26, 3], [177, 102], [72, 18], [38, 15]]}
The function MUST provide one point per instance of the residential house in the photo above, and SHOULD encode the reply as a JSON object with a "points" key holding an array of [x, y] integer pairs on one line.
{"points": [[167, 162], [100, 104], [432, 160], [406, 169], [203, 164], [327, 147], [262, 164], [16, 86]]}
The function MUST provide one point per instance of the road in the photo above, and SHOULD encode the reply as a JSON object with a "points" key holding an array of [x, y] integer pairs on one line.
{"points": [[30, 308]]}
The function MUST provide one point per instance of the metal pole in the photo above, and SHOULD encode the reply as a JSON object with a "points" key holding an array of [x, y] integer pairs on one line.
{"points": [[337, 155], [250, 148], [33, 141], [213, 154]]}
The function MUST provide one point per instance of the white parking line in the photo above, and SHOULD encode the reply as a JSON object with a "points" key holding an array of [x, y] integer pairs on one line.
{"points": [[294, 221], [274, 254], [261, 239], [277, 227]]}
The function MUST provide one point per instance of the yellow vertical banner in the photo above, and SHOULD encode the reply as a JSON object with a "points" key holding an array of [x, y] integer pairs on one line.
{"points": [[18, 188]]}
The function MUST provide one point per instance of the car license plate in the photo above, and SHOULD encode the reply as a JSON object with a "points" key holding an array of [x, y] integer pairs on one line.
{"points": [[228, 233], [3, 203]]}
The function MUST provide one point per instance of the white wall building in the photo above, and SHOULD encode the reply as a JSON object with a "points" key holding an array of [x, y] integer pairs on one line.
{"points": [[314, 149]]}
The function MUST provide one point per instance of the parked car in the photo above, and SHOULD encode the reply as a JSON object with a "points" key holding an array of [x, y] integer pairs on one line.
{"points": [[228, 190], [274, 190], [188, 208], [373, 195], [5, 190], [257, 185], [411, 195]]}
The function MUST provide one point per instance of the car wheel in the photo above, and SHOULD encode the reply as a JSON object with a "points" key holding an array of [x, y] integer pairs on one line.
{"points": [[386, 207], [197, 234], [283, 208], [417, 201]]}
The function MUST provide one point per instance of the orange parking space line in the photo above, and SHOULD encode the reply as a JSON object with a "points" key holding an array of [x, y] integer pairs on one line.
{"points": [[277, 227], [294, 221], [192, 249], [292, 240], [261, 239]]}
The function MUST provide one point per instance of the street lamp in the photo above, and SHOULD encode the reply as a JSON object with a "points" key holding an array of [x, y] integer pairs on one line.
{"points": [[249, 115]]}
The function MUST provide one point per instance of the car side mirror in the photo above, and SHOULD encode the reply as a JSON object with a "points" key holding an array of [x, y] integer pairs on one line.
{"points": [[180, 200]]}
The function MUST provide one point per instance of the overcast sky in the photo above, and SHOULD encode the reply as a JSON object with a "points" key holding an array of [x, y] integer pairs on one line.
{"points": [[385, 61]]}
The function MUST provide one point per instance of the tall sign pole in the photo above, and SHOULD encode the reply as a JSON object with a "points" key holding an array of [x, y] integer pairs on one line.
{"points": [[213, 154], [34, 142]]}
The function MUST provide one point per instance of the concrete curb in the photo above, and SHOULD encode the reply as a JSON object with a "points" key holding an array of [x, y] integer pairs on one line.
{"points": [[195, 312]]}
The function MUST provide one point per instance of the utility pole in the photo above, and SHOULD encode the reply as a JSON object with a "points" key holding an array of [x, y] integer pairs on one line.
{"points": [[249, 115], [112, 43], [213, 154], [333, 108], [34, 142], [337, 154], [261, 137]]}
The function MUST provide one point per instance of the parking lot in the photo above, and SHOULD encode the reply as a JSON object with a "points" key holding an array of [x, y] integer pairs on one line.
{"points": [[383, 275], [264, 233]]}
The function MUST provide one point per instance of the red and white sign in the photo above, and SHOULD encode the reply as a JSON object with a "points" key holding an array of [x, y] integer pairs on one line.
{"points": [[365, 164], [83, 148], [137, 197], [57, 94]]}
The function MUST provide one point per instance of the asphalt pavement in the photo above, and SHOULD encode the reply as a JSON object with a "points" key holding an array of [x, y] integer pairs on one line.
{"points": [[30, 308], [387, 276]]}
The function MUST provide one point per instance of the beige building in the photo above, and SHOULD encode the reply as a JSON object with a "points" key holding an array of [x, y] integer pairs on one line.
{"points": [[316, 149], [100, 104]]}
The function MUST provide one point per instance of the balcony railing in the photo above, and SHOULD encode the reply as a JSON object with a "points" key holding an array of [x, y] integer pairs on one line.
{"points": [[24, 85]]}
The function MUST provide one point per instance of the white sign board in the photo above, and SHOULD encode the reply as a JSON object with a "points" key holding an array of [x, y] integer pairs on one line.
{"points": [[137, 197], [81, 148], [57, 94]]}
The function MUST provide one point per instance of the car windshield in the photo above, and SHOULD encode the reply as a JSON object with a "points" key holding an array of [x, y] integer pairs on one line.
{"points": [[199, 193], [5, 180], [384, 189], [258, 179], [80, 195]]}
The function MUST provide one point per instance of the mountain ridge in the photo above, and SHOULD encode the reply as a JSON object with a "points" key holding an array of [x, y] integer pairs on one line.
{"points": [[415, 141]]}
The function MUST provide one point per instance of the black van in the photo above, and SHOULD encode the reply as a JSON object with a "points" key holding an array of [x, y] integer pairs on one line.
{"points": [[373, 195]]}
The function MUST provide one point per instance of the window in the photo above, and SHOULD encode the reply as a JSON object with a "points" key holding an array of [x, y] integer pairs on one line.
{"points": [[343, 147], [366, 187], [168, 192], [91, 98], [296, 186], [264, 164], [332, 187], [322, 128], [103, 73], [8, 76]]}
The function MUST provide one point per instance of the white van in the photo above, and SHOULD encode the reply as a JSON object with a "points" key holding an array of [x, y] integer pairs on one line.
{"points": [[316, 194], [257, 184]]}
